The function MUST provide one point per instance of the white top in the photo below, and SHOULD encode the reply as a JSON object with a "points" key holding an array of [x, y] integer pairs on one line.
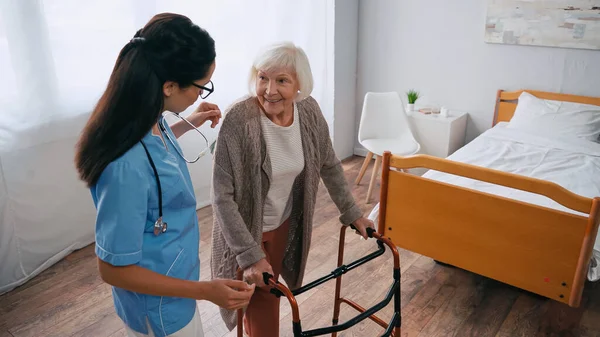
{"points": [[287, 161]]}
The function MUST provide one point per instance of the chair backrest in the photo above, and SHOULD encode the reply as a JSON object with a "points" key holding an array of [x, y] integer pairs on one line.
{"points": [[383, 116]]}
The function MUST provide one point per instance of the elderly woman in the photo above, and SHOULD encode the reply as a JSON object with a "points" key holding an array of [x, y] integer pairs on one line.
{"points": [[272, 150]]}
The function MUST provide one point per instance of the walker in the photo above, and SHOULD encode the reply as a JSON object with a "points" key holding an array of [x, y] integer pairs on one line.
{"points": [[392, 328]]}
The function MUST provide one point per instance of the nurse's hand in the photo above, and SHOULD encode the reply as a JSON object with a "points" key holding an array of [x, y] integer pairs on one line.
{"points": [[254, 273], [228, 294], [205, 111]]}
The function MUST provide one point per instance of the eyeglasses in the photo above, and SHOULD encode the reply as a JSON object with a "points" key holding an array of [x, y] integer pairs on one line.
{"points": [[206, 91], [194, 140]]}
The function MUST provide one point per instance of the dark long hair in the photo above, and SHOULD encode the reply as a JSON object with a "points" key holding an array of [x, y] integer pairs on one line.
{"points": [[169, 48]]}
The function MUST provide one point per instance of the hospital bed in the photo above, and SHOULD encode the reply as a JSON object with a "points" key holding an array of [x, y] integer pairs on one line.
{"points": [[519, 204]]}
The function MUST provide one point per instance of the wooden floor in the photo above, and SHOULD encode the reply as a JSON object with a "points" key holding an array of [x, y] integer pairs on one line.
{"points": [[69, 299]]}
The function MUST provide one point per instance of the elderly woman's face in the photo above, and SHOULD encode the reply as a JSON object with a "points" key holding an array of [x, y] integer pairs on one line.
{"points": [[276, 90]]}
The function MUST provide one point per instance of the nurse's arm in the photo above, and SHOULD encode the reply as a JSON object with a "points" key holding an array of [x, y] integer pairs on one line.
{"points": [[197, 118], [179, 128], [229, 294]]}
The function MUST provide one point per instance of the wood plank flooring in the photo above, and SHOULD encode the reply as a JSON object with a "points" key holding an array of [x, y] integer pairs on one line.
{"points": [[70, 299]]}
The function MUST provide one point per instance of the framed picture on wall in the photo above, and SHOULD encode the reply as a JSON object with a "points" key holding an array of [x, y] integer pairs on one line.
{"points": [[552, 23]]}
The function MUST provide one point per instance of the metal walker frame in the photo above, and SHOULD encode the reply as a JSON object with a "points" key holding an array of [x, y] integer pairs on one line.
{"points": [[393, 328]]}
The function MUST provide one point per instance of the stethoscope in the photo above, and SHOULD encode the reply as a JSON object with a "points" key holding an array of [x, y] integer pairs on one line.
{"points": [[160, 226], [164, 131]]}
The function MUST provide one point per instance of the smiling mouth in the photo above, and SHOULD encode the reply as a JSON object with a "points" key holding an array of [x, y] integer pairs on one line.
{"points": [[273, 101]]}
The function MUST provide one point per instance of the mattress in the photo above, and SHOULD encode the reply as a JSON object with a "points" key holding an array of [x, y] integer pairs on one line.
{"points": [[572, 163]]}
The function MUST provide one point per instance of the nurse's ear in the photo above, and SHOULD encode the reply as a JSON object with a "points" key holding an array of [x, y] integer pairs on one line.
{"points": [[168, 88]]}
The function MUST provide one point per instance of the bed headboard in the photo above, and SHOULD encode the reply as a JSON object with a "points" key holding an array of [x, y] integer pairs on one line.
{"points": [[506, 102]]}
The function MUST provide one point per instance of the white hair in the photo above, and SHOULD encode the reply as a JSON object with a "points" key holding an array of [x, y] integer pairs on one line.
{"points": [[284, 55]]}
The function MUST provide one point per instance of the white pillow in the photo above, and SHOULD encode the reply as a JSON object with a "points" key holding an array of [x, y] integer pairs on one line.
{"points": [[556, 118]]}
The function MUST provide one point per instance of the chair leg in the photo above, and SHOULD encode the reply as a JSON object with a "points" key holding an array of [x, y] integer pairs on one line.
{"points": [[363, 169], [373, 176]]}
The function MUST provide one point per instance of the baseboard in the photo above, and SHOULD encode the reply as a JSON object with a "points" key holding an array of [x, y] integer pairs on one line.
{"points": [[201, 204], [360, 151]]}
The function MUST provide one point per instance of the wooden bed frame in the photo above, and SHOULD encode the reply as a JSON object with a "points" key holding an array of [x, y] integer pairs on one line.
{"points": [[538, 249]]}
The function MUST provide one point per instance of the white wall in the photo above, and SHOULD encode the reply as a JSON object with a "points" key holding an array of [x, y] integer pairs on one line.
{"points": [[437, 47], [345, 63]]}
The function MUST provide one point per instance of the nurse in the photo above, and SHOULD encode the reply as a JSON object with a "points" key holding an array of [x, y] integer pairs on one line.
{"points": [[147, 233]]}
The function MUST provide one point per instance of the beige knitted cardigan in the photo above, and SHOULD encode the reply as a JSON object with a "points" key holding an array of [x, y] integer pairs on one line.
{"points": [[241, 177]]}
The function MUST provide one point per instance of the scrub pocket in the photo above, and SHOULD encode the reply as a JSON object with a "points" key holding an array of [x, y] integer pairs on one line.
{"points": [[174, 309]]}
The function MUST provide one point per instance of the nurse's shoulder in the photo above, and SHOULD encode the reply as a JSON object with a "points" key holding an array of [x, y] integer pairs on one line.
{"points": [[132, 165]]}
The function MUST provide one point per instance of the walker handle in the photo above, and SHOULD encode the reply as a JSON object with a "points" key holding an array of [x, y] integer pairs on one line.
{"points": [[370, 230], [266, 277], [277, 288]]}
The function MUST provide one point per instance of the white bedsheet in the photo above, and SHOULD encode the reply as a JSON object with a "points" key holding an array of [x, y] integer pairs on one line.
{"points": [[569, 162]]}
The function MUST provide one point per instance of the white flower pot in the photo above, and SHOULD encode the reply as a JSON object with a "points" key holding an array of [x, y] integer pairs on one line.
{"points": [[410, 107]]}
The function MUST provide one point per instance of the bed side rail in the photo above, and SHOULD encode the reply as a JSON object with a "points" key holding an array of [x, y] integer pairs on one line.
{"points": [[533, 185]]}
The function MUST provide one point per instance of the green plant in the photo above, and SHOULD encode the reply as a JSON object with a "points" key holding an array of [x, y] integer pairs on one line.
{"points": [[412, 96]]}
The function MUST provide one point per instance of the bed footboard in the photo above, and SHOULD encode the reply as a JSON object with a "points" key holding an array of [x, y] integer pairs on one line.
{"points": [[538, 249]]}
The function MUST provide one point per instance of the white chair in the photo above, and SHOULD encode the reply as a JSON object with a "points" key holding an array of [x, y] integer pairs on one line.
{"points": [[384, 127]]}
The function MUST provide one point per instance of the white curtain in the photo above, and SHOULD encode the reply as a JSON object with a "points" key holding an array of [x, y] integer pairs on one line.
{"points": [[55, 59]]}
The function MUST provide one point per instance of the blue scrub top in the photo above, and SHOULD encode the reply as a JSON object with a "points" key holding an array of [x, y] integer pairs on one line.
{"points": [[126, 199]]}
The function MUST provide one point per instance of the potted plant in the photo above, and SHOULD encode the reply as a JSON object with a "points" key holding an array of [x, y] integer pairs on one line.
{"points": [[412, 96]]}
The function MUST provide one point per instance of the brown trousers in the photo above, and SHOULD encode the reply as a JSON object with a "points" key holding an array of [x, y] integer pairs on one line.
{"points": [[262, 315]]}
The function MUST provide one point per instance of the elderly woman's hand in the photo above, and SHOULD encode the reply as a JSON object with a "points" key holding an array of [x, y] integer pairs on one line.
{"points": [[361, 225], [254, 273]]}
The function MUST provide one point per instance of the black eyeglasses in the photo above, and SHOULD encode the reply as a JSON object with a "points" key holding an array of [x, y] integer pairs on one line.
{"points": [[206, 91]]}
